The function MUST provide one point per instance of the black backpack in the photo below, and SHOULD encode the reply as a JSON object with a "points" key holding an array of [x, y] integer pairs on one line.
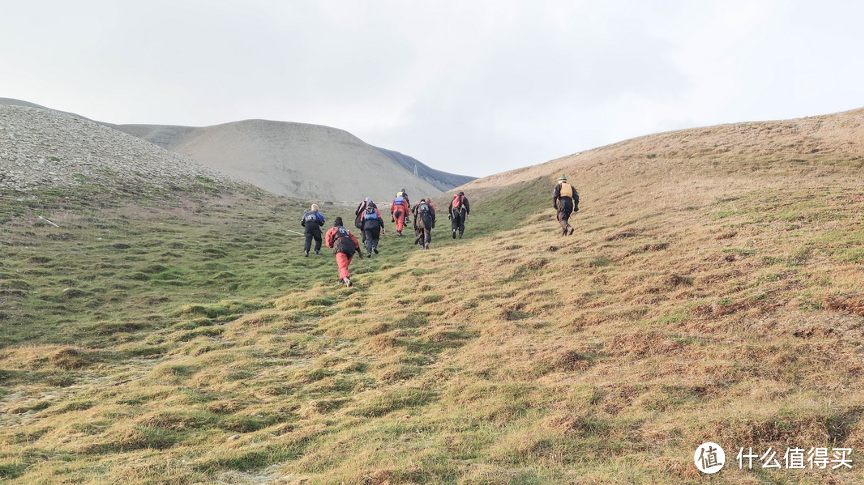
{"points": [[343, 242]]}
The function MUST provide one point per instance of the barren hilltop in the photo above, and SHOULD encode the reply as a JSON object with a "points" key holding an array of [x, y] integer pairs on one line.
{"points": [[42, 149], [292, 159]]}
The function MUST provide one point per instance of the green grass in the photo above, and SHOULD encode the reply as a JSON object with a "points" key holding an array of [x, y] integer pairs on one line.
{"points": [[192, 342]]}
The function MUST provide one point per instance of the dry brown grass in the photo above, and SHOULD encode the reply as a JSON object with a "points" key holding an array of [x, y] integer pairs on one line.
{"points": [[711, 292]]}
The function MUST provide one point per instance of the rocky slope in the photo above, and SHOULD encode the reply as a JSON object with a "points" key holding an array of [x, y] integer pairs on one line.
{"points": [[42, 148]]}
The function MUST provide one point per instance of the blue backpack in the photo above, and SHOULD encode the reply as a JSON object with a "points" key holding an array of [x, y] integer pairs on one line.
{"points": [[370, 214]]}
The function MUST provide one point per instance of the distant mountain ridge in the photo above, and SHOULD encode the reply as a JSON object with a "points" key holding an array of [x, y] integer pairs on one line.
{"points": [[443, 180], [293, 159]]}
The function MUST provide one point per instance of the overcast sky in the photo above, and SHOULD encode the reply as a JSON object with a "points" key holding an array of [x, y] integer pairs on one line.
{"points": [[471, 87]]}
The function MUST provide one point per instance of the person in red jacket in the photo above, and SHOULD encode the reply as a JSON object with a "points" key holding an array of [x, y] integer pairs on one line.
{"points": [[399, 210], [344, 244]]}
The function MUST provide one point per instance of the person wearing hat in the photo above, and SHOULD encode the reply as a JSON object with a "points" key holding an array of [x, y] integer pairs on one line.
{"points": [[361, 208], [312, 222], [424, 222], [372, 226], [565, 200], [399, 211], [344, 244], [459, 210]]}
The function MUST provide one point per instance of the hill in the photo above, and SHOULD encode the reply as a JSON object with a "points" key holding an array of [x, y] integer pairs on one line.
{"points": [[711, 292], [292, 159], [18, 102], [43, 149]]}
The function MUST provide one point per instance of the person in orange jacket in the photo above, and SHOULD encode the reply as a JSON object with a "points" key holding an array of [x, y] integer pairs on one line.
{"points": [[424, 222], [344, 244], [399, 210]]}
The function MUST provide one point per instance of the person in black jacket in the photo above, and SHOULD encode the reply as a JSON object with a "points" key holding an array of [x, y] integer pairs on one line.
{"points": [[361, 208], [424, 222], [565, 200], [312, 222], [459, 210], [372, 226]]}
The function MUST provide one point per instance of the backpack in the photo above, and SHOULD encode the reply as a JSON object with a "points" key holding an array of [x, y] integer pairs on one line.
{"points": [[457, 202], [343, 243], [424, 208], [370, 213], [399, 201], [311, 217]]}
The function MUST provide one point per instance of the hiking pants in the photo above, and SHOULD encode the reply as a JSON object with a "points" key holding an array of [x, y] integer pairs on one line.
{"points": [[424, 229], [457, 221], [565, 208], [370, 238], [343, 260], [399, 216], [313, 231]]}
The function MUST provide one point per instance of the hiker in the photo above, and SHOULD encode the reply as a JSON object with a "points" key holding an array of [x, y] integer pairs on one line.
{"points": [[459, 210], [371, 224], [399, 210], [312, 222], [424, 222], [361, 208], [566, 201], [344, 245]]}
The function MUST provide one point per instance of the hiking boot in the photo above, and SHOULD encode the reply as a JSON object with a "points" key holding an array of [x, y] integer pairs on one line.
{"points": [[570, 230], [460, 235], [307, 253], [369, 254], [318, 253], [454, 233], [348, 282], [398, 233], [375, 250]]}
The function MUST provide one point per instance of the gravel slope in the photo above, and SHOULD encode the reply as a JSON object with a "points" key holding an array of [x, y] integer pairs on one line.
{"points": [[42, 148]]}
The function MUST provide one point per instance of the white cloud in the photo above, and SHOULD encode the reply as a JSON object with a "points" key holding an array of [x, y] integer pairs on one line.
{"points": [[470, 87]]}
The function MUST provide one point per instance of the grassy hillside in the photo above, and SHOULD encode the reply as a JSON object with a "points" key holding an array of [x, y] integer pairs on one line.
{"points": [[711, 296]]}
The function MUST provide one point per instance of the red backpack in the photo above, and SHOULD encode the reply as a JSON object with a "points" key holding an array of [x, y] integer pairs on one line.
{"points": [[457, 202]]}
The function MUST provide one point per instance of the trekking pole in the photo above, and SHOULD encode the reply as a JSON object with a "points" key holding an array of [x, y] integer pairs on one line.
{"points": [[49, 222]]}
